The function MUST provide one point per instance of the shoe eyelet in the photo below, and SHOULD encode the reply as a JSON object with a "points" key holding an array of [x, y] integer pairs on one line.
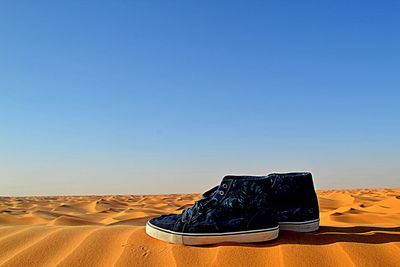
{"points": [[225, 186], [221, 193]]}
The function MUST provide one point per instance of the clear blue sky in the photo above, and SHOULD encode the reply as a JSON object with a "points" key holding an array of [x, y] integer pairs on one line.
{"points": [[137, 97]]}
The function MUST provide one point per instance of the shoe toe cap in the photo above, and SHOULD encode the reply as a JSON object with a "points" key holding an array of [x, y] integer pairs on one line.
{"points": [[167, 222]]}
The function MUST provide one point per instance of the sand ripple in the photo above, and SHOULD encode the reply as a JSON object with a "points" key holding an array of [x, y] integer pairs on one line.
{"points": [[358, 228]]}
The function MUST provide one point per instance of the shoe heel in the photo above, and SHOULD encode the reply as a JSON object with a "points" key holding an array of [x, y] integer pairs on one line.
{"points": [[305, 227]]}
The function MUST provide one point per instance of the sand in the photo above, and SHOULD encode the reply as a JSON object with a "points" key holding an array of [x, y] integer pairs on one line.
{"points": [[358, 228]]}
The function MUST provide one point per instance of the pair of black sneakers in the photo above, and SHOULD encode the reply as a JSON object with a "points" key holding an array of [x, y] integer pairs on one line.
{"points": [[243, 209]]}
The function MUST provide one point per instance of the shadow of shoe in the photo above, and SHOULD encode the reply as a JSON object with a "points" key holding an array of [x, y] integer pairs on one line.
{"points": [[329, 235]]}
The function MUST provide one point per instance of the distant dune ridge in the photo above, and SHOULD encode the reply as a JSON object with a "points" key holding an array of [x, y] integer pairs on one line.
{"points": [[359, 227]]}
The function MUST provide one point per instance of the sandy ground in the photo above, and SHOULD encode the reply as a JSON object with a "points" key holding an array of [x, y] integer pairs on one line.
{"points": [[358, 228]]}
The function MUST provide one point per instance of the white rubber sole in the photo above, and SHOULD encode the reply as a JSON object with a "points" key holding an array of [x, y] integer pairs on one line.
{"points": [[306, 226], [212, 238]]}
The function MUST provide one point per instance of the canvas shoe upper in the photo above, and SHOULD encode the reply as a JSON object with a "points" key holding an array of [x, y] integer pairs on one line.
{"points": [[240, 209], [295, 201]]}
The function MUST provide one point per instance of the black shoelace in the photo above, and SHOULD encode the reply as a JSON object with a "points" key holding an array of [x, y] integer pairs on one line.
{"points": [[200, 206]]}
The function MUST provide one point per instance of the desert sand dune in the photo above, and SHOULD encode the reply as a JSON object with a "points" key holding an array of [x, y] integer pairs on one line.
{"points": [[359, 227]]}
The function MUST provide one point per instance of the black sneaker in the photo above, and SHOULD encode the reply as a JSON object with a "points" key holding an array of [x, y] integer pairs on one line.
{"points": [[295, 201], [240, 209]]}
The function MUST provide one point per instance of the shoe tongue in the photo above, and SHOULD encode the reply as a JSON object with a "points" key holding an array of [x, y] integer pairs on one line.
{"points": [[241, 177], [234, 177], [210, 193]]}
